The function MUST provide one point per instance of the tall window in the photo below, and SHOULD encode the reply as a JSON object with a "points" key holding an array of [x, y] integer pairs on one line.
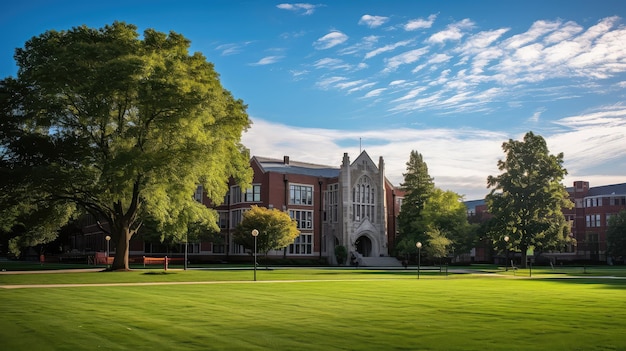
{"points": [[332, 203], [303, 245], [253, 194], [198, 195], [303, 218], [223, 219], [300, 194], [235, 194], [363, 200], [236, 216]]}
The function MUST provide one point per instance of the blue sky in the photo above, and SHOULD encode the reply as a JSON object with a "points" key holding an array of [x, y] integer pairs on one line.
{"points": [[450, 79]]}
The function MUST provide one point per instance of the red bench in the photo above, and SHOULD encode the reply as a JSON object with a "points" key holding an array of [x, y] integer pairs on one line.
{"points": [[165, 261]]}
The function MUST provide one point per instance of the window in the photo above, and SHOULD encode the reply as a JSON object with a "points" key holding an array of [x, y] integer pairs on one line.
{"points": [[236, 216], [303, 218], [191, 248], [223, 219], [253, 194], [219, 248], [300, 195], [303, 245], [331, 203], [593, 220], [235, 194], [593, 202], [198, 195], [363, 200]]}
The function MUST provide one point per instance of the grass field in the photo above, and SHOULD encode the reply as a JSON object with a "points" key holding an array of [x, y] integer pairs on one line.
{"points": [[315, 309]]}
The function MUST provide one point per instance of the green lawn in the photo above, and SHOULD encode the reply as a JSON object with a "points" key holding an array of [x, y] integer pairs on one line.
{"points": [[323, 309]]}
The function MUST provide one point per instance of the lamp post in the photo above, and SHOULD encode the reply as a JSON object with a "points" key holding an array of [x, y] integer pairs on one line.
{"points": [[506, 253], [108, 239], [255, 233], [419, 257]]}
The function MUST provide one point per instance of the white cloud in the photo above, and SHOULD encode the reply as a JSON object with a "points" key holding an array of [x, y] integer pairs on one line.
{"points": [[386, 48], [332, 64], [373, 21], [374, 93], [478, 42], [459, 159], [536, 31], [454, 31], [302, 8], [329, 82], [420, 23], [329, 40], [405, 58], [268, 60], [231, 48]]}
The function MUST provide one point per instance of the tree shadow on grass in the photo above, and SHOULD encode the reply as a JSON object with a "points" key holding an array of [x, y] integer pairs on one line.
{"points": [[608, 281]]}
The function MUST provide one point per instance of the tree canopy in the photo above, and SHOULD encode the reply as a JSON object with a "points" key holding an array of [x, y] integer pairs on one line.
{"points": [[435, 217], [527, 198], [276, 229], [118, 125], [616, 235]]}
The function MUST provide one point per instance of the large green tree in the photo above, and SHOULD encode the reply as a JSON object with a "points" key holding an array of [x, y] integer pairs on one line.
{"points": [[276, 229], [616, 235], [418, 186], [527, 198], [119, 125]]}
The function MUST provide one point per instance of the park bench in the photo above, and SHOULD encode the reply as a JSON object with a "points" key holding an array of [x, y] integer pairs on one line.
{"points": [[165, 261]]}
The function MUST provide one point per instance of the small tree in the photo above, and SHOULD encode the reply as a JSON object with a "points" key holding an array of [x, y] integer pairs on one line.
{"points": [[276, 229], [341, 254], [616, 236]]}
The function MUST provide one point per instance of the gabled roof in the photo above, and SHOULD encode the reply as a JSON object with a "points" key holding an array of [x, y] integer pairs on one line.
{"points": [[613, 189], [286, 166]]}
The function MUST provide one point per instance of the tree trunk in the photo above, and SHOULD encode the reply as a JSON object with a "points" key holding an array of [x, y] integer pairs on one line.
{"points": [[122, 250], [524, 262]]}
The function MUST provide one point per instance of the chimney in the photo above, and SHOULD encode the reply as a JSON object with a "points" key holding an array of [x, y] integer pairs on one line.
{"points": [[286, 160]]}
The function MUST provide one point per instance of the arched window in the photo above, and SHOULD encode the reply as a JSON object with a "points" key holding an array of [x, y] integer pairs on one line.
{"points": [[364, 200]]}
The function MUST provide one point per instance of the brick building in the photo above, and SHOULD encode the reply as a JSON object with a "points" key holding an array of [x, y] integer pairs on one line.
{"points": [[353, 205], [593, 206]]}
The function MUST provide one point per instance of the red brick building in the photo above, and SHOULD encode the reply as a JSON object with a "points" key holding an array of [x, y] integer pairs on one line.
{"points": [[593, 206], [353, 205]]}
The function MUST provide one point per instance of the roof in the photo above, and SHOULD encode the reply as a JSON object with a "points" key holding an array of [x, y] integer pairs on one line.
{"points": [[613, 189], [296, 167], [473, 203]]}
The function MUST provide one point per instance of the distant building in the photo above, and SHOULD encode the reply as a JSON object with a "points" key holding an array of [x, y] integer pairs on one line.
{"points": [[352, 205], [589, 218], [593, 206]]}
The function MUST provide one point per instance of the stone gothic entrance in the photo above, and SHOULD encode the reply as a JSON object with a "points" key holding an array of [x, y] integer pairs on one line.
{"points": [[364, 246]]}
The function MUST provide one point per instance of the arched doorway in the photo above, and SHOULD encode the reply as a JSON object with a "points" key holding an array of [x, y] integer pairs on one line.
{"points": [[364, 246]]}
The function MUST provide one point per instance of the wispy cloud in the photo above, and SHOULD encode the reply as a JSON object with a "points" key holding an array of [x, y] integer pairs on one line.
{"points": [[458, 159], [387, 48], [374, 93], [420, 23], [300, 8], [268, 60], [330, 40], [231, 48], [332, 64], [373, 21], [454, 31], [404, 58]]}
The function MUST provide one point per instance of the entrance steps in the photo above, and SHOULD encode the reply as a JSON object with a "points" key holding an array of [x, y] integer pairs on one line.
{"points": [[383, 261]]}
